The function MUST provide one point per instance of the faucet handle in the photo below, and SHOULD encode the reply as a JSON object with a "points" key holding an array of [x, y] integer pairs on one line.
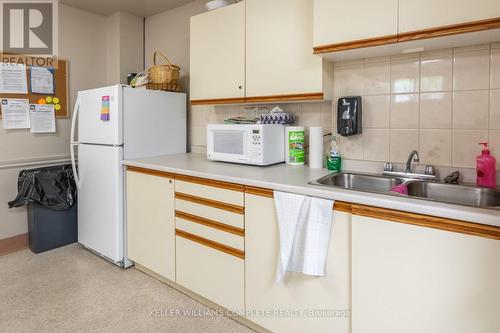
{"points": [[429, 170], [388, 166]]}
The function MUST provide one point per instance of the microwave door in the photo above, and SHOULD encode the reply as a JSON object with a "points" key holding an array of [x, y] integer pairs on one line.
{"points": [[230, 144]]}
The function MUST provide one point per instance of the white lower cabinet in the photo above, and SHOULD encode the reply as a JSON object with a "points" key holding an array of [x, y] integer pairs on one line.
{"points": [[276, 306], [150, 222], [413, 279], [393, 277], [211, 273]]}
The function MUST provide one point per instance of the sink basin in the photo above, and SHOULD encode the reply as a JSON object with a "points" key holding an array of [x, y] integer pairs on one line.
{"points": [[467, 195], [455, 194], [359, 182]]}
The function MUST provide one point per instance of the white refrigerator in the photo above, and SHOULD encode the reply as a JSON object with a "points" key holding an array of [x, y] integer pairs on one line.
{"points": [[117, 123]]}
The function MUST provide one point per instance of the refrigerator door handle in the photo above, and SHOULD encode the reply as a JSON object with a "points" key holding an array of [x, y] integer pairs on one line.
{"points": [[74, 143]]}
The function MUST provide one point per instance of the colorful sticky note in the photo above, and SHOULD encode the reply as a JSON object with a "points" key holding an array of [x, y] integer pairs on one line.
{"points": [[105, 108]]}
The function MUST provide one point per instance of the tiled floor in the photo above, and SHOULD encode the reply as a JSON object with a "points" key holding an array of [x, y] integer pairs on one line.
{"points": [[72, 290]]}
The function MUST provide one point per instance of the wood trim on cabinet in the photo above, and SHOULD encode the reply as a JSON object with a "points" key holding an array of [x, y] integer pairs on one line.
{"points": [[13, 244], [211, 203], [151, 172], [286, 98], [264, 192], [468, 228], [210, 182], [210, 223], [442, 31], [427, 221], [356, 44], [207, 242], [216, 101], [448, 30], [261, 99], [342, 206]]}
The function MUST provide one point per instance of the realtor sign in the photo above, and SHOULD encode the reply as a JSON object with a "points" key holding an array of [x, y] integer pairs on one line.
{"points": [[29, 27]]}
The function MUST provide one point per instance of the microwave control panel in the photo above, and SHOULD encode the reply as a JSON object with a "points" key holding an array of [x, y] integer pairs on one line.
{"points": [[256, 146]]}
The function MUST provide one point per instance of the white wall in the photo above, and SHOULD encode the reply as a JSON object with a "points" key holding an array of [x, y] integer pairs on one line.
{"points": [[113, 49], [131, 45], [125, 46], [100, 51], [81, 42], [168, 32]]}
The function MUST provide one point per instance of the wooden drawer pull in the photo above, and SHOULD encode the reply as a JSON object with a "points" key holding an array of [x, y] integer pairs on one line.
{"points": [[264, 192], [468, 228], [217, 246], [211, 182], [150, 172], [212, 203], [210, 223]]}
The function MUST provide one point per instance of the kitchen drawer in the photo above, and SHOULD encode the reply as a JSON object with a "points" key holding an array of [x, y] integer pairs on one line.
{"points": [[213, 190], [211, 273], [228, 238], [221, 215]]}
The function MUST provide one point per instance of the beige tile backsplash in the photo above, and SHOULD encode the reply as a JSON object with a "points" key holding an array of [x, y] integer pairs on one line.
{"points": [[441, 103]]}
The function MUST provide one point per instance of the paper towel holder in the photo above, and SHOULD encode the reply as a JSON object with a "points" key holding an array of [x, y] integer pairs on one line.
{"points": [[349, 115]]}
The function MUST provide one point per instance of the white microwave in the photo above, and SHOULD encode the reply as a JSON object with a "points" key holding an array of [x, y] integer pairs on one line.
{"points": [[247, 144]]}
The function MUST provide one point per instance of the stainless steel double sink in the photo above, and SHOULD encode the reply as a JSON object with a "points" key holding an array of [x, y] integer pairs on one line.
{"points": [[467, 195]]}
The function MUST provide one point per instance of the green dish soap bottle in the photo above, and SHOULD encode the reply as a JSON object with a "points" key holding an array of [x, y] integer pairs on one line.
{"points": [[334, 160]]}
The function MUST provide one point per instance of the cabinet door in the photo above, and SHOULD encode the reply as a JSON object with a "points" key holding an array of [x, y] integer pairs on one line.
{"points": [[426, 14], [150, 223], [298, 292], [217, 53], [340, 21], [279, 57], [414, 279]]}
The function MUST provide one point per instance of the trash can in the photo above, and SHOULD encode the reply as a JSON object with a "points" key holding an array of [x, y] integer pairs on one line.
{"points": [[50, 194]]}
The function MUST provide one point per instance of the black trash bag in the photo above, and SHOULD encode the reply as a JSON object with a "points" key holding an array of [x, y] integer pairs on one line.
{"points": [[51, 187]]}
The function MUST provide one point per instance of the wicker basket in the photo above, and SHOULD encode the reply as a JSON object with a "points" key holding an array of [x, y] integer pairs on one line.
{"points": [[164, 77]]}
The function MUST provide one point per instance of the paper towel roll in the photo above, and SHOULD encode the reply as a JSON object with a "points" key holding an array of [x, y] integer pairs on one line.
{"points": [[316, 147]]}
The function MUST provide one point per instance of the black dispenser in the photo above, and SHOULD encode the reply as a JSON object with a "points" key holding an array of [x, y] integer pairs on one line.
{"points": [[349, 116]]}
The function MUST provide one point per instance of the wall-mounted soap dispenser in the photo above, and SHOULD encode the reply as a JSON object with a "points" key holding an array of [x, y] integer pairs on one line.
{"points": [[349, 116]]}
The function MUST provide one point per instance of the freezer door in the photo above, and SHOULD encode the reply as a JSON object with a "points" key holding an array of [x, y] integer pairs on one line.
{"points": [[93, 126], [154, 122], [100, 201]]}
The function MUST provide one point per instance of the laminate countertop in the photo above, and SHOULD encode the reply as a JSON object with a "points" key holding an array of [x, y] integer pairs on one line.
{"points": [[294, 179]]}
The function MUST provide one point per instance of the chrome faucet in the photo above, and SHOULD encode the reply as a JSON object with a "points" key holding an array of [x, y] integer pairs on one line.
{"points": [[413, 157], [430, 172]]}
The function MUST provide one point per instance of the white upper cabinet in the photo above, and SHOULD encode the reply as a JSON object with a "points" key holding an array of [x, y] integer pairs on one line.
{"points": [[279, 59], [426, 14], [257, 51], [341, 21], [354, 29], [217, 47]]}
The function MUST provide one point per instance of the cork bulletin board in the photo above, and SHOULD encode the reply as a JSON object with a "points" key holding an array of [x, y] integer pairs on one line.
{"points": [[60, 91]]}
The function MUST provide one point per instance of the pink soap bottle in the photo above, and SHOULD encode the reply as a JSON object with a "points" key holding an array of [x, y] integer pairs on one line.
{"points": [[486, 168]]}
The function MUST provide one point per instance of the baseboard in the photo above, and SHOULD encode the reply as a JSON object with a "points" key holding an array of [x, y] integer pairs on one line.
{"points": [[13, 244]]}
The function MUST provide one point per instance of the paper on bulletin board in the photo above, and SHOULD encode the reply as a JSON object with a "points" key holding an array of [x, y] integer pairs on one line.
{"points": [[42, 80], [15, 113], [42, 118], [13, 79]]}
